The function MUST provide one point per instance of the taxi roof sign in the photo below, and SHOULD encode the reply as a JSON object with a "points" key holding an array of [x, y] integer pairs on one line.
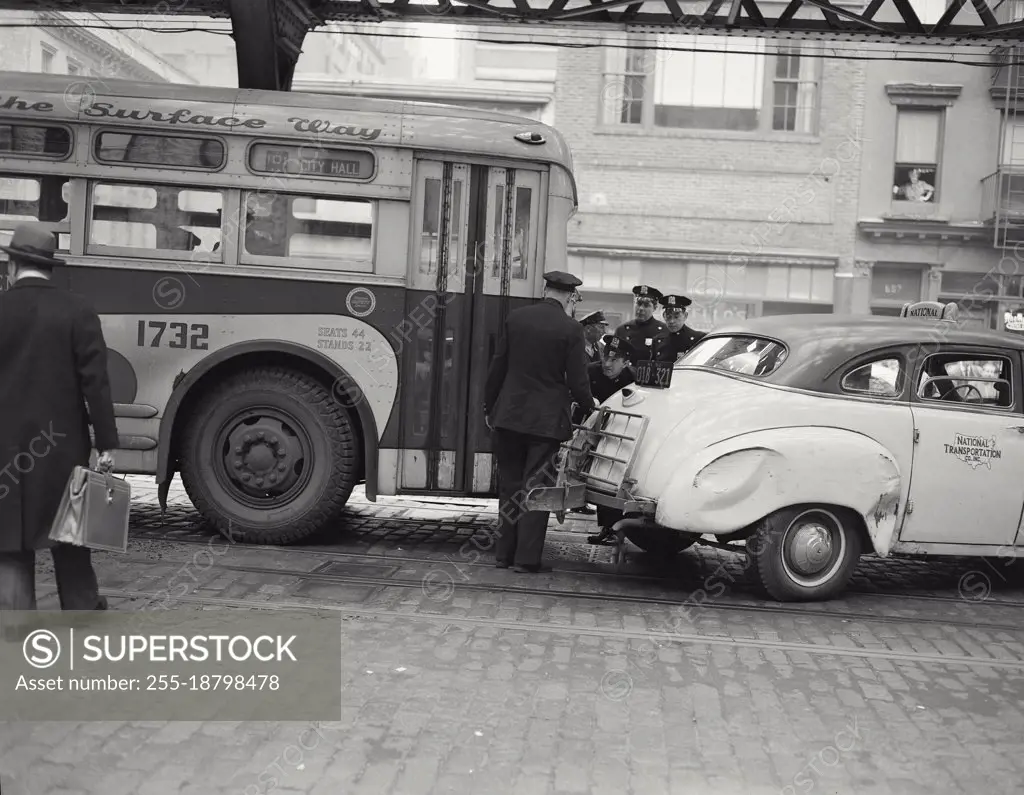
{"points": [[930, 309]]}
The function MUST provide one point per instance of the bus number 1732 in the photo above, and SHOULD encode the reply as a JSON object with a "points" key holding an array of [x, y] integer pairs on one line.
{"points": [[179, 336]]}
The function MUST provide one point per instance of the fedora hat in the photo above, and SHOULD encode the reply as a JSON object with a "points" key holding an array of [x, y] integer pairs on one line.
{"points": [[35, 244]]}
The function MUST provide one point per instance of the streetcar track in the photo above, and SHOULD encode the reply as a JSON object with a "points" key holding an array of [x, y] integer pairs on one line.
{"points": [[645, 578], [380, 582], [601, 632]]}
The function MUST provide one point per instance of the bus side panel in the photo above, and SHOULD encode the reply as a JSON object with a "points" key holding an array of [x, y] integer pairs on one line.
{"points": [[151, 349]]}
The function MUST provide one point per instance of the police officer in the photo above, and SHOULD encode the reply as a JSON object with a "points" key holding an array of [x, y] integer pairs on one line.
{"points": [[610, 374], [679, 337], [607, 378], [594, 326], [642, 332], [538, 369]]}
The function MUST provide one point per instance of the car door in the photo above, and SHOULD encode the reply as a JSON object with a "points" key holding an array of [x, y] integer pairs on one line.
{"points": [[966, 480]]}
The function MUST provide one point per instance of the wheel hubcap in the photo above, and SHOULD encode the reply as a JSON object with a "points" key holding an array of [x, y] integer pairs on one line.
{"points": [[264, 457], [810, 548]]}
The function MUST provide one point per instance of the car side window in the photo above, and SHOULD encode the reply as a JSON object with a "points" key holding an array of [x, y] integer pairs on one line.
{"points": [[967, 378], [880, 378]]}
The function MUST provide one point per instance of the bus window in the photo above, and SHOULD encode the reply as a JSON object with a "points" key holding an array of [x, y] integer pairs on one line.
{"points": [[430, 239], [522, 212], [34, 199], [159, 150], [309, 228], [155, 219], [36, 141], [521, 243]]}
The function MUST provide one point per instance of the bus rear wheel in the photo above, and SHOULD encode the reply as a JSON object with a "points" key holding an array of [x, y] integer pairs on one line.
{"points": [[268, 456]]}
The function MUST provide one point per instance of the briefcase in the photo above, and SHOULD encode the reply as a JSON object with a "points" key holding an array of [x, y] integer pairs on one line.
{"points": [[93, 511]]}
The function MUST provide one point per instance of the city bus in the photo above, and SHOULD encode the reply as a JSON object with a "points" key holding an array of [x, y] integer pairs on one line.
{"points": [[299, 292]]}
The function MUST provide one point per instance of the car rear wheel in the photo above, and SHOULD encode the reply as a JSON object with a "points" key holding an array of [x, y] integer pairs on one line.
{"points": [[806, 553], [269, 457], [660, 542]]}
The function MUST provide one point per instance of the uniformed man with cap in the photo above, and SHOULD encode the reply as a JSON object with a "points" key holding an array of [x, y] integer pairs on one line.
{"points": [[594, 326], [642, 331], [538, 370], [679, 337], [611, 375]]}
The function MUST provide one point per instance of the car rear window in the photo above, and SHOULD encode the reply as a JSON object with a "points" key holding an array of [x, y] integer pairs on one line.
{"points": [[747, 355]]}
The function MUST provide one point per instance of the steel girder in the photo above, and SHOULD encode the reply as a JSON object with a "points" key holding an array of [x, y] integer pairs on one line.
{"points": [[269, 33], [965, 22]]}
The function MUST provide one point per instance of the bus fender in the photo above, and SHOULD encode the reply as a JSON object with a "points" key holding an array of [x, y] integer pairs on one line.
{"points": [[165, 470]]}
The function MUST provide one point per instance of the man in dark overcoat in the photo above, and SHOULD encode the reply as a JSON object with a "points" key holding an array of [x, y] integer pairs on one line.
{"points": [[539, 368], [53, 362]]}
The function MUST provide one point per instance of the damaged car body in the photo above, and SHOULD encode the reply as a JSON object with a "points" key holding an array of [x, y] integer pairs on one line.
{"points": [[807, 440]]}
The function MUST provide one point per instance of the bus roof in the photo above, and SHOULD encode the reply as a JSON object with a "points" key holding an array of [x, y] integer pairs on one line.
{"points": [[320, 118]]}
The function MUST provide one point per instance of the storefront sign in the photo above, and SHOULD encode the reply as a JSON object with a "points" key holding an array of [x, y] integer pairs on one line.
{"points": [[1013, 321]]}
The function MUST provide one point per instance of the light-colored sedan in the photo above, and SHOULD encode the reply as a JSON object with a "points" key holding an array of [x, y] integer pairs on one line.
{"points": [[813, 439]]}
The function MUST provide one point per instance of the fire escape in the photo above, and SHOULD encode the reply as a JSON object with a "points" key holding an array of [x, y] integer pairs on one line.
{"points": [[1003, 190]]}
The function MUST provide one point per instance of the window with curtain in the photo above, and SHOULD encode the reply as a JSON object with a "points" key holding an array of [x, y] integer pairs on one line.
{"points": [[917, 155], [795, 91]]}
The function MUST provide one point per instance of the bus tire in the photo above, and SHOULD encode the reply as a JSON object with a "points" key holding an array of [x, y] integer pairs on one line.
{"points": [[269, 457]]}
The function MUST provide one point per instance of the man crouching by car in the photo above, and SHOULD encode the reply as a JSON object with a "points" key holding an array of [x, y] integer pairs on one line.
{"points": [[607, 377]]}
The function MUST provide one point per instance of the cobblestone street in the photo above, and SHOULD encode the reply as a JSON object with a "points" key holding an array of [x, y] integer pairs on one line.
{"points": [[460, 678]]}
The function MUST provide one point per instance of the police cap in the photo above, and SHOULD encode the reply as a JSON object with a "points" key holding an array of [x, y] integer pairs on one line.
{"points": [[617, 346], [594, 319], [562, 280], [675, 301], [645, 291]]}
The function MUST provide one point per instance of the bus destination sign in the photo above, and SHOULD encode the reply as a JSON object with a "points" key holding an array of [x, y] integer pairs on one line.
{"points": [[313, 161]]}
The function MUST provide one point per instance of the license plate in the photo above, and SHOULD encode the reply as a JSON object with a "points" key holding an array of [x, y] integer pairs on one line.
{"points": [[654, 374]]}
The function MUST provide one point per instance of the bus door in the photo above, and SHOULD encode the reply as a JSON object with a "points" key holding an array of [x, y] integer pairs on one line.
{"points": [[510, 276], [466, 271]]}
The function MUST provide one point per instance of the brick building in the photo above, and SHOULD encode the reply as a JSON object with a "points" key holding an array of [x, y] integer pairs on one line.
{"points": [[942, 188], [729, 175]]}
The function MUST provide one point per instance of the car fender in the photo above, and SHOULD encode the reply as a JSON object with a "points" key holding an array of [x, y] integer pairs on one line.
{"points": [[735, 483]]}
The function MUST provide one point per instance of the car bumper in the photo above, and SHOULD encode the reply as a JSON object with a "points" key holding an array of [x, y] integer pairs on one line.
{"points": [[590, 473]]}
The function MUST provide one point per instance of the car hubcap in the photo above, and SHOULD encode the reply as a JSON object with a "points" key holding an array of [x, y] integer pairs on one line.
{"points": [[265, 457], [810, 548], [813, 548]]}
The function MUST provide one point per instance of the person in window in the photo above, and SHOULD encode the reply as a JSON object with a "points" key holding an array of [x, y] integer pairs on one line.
{"points": [[643, 330], [679, 337], [594, 326], [53, 386], [917, 190]]}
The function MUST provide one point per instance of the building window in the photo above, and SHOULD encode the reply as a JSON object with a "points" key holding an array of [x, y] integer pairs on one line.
{"points": [[915, 172], [718, 86], [47, 57], [1013, 142], [795, 91]]}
